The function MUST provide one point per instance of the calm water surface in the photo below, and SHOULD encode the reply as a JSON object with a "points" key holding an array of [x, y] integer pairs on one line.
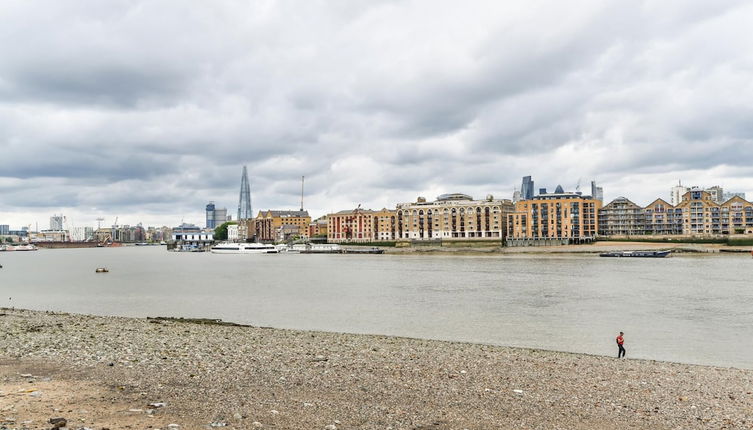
{"points": [[693, 309]]}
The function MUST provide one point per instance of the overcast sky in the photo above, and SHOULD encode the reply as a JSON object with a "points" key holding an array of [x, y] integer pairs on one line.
{"points": [[148, 110]]}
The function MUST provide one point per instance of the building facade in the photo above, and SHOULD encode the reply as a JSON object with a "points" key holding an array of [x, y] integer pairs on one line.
{"points": [[453, 217], [553, 218], [355, 225], [663, 218], [622, 217], [318, 227], [268, 224]]}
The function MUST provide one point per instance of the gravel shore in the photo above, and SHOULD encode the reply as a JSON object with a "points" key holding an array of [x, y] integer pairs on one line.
{"points": [[112, 372]]}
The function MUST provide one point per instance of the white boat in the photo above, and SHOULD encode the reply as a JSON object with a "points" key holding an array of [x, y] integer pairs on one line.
{"points": [[244, 248], [29, 247]]}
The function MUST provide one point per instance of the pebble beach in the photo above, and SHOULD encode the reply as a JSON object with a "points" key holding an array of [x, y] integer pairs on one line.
{"points": [[111, 372]]}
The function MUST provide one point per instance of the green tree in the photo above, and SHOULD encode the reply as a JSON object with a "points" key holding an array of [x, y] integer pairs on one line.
{"points": [[220, 233], [9, 239]]}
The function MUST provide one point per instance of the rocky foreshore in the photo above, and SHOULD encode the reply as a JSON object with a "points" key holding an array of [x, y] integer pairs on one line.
{"points": [[116, 373]]}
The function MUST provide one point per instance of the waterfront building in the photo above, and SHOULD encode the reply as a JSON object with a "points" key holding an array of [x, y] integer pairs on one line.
{"points": [[622, 217], [526, 188], [232, 232], [268, 223], [4, 229], [701, 214], [663, 218], [736, 216], [50, 236], [385, 225], [356, 225], [318, 227], [453, 216], [553, 218], [247, 230], [676, 193]]}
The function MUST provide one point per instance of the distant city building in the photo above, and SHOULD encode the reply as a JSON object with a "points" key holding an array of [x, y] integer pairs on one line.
{"points": [[214, 216], [516, 196], [728, 196], [526, 189], [553, 218], [4, 229], [597, 192], [56, 222], [267, 223], [676, 194], [244, 201], [453, 216], [622, 217], [717, 193]]}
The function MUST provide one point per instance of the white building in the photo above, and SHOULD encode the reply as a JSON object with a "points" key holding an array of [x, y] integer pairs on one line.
{"points": [[675, 196], [232, 232]]}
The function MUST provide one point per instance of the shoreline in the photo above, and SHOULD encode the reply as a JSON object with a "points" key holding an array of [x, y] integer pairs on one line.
{"points": [[583, 249], [107, 370]]}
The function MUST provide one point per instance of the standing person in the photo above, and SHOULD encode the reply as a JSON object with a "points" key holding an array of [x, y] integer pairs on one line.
{"points": [[620, 341]]}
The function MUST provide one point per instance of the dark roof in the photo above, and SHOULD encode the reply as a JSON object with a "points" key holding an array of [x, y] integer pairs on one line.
{"points": [[287, 213]]}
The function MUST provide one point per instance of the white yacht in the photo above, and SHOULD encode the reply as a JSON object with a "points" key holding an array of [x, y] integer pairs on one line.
{"points": [[244, 248]]}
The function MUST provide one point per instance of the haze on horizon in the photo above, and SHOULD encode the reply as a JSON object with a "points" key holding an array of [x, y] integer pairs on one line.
{"points": [[149, 110]]}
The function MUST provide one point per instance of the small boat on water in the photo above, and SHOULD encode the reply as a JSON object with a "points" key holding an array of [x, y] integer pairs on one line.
{"points": [[244, 248], [359, 250], [639, 254], [101, 270]]}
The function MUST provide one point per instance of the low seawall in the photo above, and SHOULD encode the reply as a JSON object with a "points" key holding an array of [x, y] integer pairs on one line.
{"points": [[59, 245]]}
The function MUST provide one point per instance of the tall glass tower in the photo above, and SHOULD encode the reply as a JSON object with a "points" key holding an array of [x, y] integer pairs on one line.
{"points": [[244, 201]]}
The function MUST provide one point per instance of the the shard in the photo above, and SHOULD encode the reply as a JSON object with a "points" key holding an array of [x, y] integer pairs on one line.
{"points": [[244, 201]]}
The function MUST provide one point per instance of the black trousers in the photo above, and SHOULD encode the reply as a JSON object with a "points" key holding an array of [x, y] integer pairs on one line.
{"points": [[621, 352]]}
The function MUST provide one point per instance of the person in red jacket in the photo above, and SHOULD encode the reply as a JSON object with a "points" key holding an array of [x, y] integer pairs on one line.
{"points": [[620, 341]]}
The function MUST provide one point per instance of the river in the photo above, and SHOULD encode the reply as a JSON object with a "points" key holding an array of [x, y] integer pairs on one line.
{"points": [[692, 308]]}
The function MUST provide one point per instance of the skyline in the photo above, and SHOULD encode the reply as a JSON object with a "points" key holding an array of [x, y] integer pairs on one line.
{"points": [[102, 115]]}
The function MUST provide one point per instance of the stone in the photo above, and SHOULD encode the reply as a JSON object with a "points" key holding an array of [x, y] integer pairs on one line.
{"points": [[257, 424], [58, 422]]}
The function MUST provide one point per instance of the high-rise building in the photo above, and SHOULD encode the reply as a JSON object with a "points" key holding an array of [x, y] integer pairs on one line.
{"points": [[244, 201], [516, 196], [597, 192], [526, 189], [676, 194], [215, 216], [4, 229], [211, 221], [717, 193], [56, 222]]}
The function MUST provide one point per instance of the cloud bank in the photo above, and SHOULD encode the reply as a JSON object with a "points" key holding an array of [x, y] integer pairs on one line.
{"points": [[148, 110]]}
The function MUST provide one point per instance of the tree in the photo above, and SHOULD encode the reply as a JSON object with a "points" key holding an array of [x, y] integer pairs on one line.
{"points": [[220, 233], [9, 239]]}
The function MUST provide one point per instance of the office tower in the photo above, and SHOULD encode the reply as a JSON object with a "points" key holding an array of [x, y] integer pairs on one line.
{"points": [[526, 189], [597, 192], [211, 220], [244, 201]]}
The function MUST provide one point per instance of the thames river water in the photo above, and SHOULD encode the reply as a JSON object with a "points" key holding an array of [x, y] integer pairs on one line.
{"points": [[692, 309]]}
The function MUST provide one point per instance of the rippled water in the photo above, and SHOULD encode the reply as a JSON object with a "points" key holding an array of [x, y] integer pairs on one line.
{"points": [[694, 309]]}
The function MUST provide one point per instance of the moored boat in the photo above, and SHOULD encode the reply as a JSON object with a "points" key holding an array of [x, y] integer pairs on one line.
{"points": [[244, 248], [639, 254]]}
